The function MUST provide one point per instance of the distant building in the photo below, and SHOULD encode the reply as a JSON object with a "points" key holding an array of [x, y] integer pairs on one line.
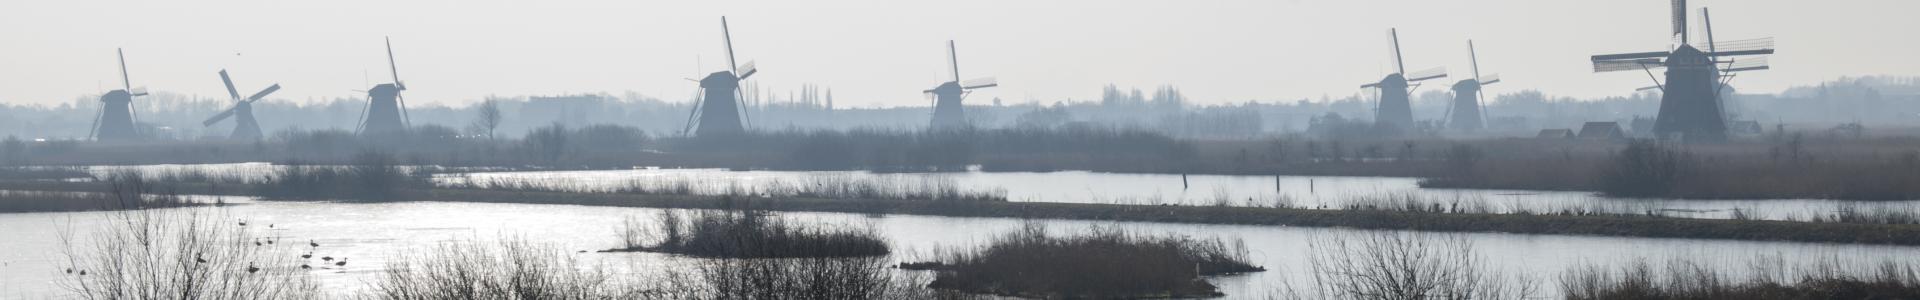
{"points": [[1555, 134], [1602, 131]]}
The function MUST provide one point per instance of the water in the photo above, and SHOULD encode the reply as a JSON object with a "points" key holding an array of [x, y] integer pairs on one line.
{"points": [[1329, 192], [372, 234]]}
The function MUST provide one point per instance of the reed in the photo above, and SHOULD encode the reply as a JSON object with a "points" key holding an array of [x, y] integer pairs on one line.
{"points": [[1105, 263], [1763, 279], [745, 233]]}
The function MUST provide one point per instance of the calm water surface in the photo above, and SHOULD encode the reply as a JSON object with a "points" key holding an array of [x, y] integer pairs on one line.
{"points": [[372, 234]]}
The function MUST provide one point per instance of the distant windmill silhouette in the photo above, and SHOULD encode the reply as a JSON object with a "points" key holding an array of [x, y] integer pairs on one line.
{"points": [[245, 126], [1467, 113], [1394, 109], [1690, 101], [718, 112], [948, 112], [115, 121], [386, 110]]}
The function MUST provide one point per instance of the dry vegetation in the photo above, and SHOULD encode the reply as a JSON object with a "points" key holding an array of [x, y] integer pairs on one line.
{"points": [[1104, 263], [745, 233]]}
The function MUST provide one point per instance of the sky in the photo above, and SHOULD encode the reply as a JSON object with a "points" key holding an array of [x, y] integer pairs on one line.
{"points": [[884, 53]]}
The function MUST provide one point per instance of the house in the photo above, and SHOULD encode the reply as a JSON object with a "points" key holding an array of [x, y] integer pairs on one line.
{"points": [[1602, 131]]}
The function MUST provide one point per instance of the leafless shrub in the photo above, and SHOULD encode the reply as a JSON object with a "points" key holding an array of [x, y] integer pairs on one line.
{"points": [[180, 254], [1397, 265]]}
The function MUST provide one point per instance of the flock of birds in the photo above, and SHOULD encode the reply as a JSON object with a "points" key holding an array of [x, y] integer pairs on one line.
{"points": [[312, 245]]}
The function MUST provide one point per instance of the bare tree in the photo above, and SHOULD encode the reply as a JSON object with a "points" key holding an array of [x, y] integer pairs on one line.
{"points": [[489, 117]]}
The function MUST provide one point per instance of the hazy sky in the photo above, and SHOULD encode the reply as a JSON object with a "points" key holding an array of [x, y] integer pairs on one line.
{"points": [[883, 53]]}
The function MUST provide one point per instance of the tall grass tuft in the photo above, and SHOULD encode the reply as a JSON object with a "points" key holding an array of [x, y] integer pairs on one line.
{"points": [[1106, 263]]}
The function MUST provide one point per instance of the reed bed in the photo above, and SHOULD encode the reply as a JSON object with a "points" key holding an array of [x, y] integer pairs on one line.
{"points": [[742, 233], [824, 186], [1762, 279], [1104, 263]]}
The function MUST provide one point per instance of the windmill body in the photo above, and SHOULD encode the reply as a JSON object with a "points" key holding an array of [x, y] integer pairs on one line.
{"points": [[719, 109], [116, 117], [718, 112], [386, 111], [1466, 115], [1691, 105], [245, 126], [948, 111], [1394, 110], [383, 111]]}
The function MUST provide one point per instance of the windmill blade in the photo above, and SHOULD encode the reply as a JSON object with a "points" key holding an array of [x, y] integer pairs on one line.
{"points": [[1751, 64], [220, 117], [1399, 66], [1427, 74], [405, 118], [263, 93], [139, 91], [91, 130], [694, 116], [1745, 45], [1648, 88], [1370, 85], [747, 70], [1680, 21], [1626, 65], [1742, 53], [229, 81], [395, 67], [726, 35], [953, 60], [1489, 79], [1474, 57], [1631, 56], [976, 83], [125, 81], [362, 124]]}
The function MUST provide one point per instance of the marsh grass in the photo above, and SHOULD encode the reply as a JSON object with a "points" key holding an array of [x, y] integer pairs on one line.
{"points": [[1104, 263], [178, 254], [373, 176], [823, 186], [125, 190], [746, 233], [1763, 279]]}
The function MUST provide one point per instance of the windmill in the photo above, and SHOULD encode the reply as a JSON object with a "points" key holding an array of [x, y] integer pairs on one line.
{"points": [[245, 127], [386, 110], [718, 112], [947, 111], [1466, 113], [1690, 99], [116, 117], [1394, 110]]}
